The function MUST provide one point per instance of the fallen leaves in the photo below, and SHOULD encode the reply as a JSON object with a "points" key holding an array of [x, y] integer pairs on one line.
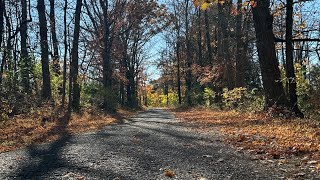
{"points": [[269, 138], [169, 173], [22, 131]]}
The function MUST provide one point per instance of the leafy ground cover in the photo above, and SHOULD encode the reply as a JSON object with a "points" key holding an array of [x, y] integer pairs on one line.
{"points": [[272, 139], [48, 124]]}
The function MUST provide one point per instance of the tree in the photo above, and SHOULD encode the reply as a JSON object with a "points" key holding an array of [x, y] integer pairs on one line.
{"points": [[46, 85], [291, 77], [74, 101], [107, 71], [263, 22], [2, 9], [55, 43], [25, 67]]}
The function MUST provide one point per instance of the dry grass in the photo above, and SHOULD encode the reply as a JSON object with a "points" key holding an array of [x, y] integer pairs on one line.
{"points": [[41, 126], [271, 138]]}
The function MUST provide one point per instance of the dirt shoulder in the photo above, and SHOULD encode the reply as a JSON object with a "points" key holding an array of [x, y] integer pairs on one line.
{"points": [[291, 145], [49, 124]]}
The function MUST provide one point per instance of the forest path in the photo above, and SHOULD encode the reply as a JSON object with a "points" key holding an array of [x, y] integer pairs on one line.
{"points": [[141, 148]]}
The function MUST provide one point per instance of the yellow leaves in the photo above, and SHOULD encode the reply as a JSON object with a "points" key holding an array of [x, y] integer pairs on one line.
{"points": [[205, 4]]}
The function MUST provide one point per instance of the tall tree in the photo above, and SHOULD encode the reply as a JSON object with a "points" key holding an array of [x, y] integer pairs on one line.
{"points": [[46, 85], [291, 77], [107, 71], [2, 9], [25, 60], [240, 59], [74, 69], [208, 39], [55, 43], [189, 58], [65, 42], [263, 22]]}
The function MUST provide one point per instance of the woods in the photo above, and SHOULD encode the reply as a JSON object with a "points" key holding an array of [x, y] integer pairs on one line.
{"points": [[161, 72], [220, 54]]}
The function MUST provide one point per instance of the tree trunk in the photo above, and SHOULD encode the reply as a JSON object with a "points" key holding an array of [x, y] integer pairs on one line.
{"points": [[65, 53], [274, 93], [208, 39], [189, 59], [200, 61], [55, 43], [2, 8], [240, 64], [292, 84], [74, 71], [46, 86], [178, 72], [107, 71], [25, 60]]}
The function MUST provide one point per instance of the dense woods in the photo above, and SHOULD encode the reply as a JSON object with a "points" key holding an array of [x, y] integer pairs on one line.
{"points": [[244, 55]]}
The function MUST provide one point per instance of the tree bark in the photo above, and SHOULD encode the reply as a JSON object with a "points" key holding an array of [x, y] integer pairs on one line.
{"points": [[200, 61], [107, 71], [55, 43], [274, 92], [25, 60], [240, 64], [208, 39], [178, 72], [74, 71], [2, 9], [291, 78], [189, 59], [65, 53], [46, 86]]}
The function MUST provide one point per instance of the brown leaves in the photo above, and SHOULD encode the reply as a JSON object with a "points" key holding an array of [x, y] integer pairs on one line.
{"points": [[24, 130], [169, 173], [271, 138]]}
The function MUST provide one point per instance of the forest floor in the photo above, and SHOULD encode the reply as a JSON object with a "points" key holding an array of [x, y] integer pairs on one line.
{"points": [[49, 124], [291, 145]]}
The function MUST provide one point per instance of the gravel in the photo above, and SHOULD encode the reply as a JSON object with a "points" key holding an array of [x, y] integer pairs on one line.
{"points": [[143, 147]]}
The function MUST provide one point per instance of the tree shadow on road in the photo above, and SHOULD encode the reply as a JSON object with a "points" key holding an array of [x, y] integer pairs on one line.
{"points": [[47, 156]]}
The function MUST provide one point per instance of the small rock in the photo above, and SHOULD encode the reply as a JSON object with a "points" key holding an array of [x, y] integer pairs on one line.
{"points": [[300, 174], [220, 160], [207, 156], [312, 162]]}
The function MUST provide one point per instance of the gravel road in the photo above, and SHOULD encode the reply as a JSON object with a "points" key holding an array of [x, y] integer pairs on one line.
{"points": [[143, 147]]}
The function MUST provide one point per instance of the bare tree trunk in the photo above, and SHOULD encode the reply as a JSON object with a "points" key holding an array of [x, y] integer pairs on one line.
{"points": [[107, 71], [25, 60], [2, 9], [289, 61], [178, 72], [240, 64], [208, 39], [74, 71], [200, 61], [56, 66], [46, 86], [274, 92], [65, 53], [189, 59]]}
